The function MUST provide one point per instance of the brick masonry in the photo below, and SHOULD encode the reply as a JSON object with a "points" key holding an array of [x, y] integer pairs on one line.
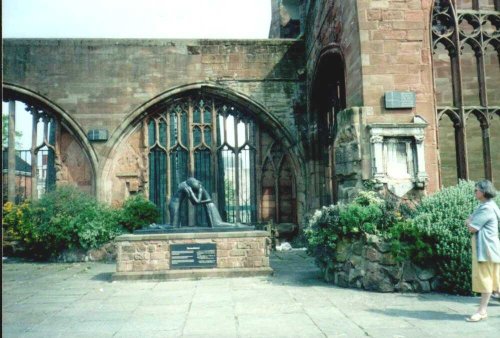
{"points": [[100, 82], [385, 45], [151, 253], [397, 56]]}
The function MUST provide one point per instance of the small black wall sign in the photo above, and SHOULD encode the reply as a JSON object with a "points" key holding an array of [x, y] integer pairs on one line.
{"points": [[395, 100], [193, 256]]}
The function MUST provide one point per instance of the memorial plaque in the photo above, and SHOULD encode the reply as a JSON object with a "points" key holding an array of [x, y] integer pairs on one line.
{"points": [[193, 256], [395, 100]]}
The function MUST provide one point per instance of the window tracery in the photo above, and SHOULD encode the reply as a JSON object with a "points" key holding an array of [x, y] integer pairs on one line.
{"points": [[217, 142], [466, 44]]}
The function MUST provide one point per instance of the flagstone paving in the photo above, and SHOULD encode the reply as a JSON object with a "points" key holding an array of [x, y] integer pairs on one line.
{"points": [[80, 300]]}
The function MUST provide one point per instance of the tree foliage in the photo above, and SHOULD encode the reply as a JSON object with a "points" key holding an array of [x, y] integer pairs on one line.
{"points": [[5, 133]]}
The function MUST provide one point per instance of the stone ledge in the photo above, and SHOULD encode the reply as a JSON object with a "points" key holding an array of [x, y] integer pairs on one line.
{"points": [[192, 274], [191, 235]]}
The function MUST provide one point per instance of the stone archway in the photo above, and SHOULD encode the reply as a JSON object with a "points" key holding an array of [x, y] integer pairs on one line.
{"points": [[74, 159], [328, 98], [128, 166]]}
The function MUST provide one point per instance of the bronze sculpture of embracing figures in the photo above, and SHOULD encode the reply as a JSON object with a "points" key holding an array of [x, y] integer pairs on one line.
{"points": [[194, 192]]}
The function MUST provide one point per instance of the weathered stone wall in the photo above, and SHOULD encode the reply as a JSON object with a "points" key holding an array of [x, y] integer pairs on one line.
{"points": [[396, 56], [287, 18], [331, 22], [107, 83], [330, 25], [470, 86], [129, 172], [352, 160], [100, 82], [75, 166], [137, 253], [368, 264], [386, 47]]}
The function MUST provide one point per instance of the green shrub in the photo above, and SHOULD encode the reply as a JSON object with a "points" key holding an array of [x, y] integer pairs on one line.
{"points": [[436, 236], [322, 233], [97, 225], [408, 241], [14, 216], [367, 214], [138, 212], [66, 218]]}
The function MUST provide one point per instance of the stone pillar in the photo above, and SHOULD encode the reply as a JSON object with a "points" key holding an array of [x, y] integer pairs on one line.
{"points": [[349, 151], [421, 174], [57, 147], [377, 144], [11, 156], [34, 159]]}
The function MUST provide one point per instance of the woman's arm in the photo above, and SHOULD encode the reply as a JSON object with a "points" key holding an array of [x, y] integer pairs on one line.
{"points": [[471, 229], [467, 224], [480, 218]]}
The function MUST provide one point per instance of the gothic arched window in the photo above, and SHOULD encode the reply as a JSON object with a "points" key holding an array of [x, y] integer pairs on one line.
{"points": [[466, 43], [219, 143]]}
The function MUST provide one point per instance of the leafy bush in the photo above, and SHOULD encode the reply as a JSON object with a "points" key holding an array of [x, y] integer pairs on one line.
{"points": [[432, 234], [408, 241], [138, 212], [436, 236], [322, 234], [13, 217], [367, 214], [65, 218], [97, 225]]}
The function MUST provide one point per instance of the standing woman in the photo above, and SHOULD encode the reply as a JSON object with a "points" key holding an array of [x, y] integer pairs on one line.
{"points": [[483, 224]]}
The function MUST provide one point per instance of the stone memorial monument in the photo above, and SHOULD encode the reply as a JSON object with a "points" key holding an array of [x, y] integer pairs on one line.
{"points": [[175, 250]]}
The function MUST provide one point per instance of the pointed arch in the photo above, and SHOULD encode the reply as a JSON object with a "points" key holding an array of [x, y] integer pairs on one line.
{"points": [[175, 96], [261, 114], [40, 102], [328, 98]]}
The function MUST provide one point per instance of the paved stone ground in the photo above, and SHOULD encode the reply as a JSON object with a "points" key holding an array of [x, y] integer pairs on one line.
{"points": [[79, 300]]}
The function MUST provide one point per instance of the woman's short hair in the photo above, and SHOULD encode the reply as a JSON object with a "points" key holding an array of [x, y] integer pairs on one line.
{"points": [[487, 188]]}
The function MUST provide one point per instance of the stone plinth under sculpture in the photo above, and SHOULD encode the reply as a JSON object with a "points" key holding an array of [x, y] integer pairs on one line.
{"points": [[174, 251], [238, 254]]}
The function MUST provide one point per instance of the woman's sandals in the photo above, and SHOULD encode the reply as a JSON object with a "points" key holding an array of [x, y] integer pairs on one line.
{"points": [[477, 317]]}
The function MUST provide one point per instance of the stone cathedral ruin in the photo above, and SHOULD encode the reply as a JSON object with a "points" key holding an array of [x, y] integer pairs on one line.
{"points": [[402, 94]]}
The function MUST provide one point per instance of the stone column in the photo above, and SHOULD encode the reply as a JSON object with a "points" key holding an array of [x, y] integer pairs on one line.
{"points": [[57, 150], [11, 155], [34, 159], [377, 146], [421, 174]]}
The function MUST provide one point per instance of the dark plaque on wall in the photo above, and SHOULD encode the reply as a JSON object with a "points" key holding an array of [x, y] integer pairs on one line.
{"points": [[395, 100], [97, 135], [193, 256]]}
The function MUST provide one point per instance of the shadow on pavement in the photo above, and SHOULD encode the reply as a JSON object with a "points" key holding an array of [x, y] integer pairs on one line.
{"points": [[18, 260], [295, 268], [103, 277], [421, 314], [447, 297]]}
